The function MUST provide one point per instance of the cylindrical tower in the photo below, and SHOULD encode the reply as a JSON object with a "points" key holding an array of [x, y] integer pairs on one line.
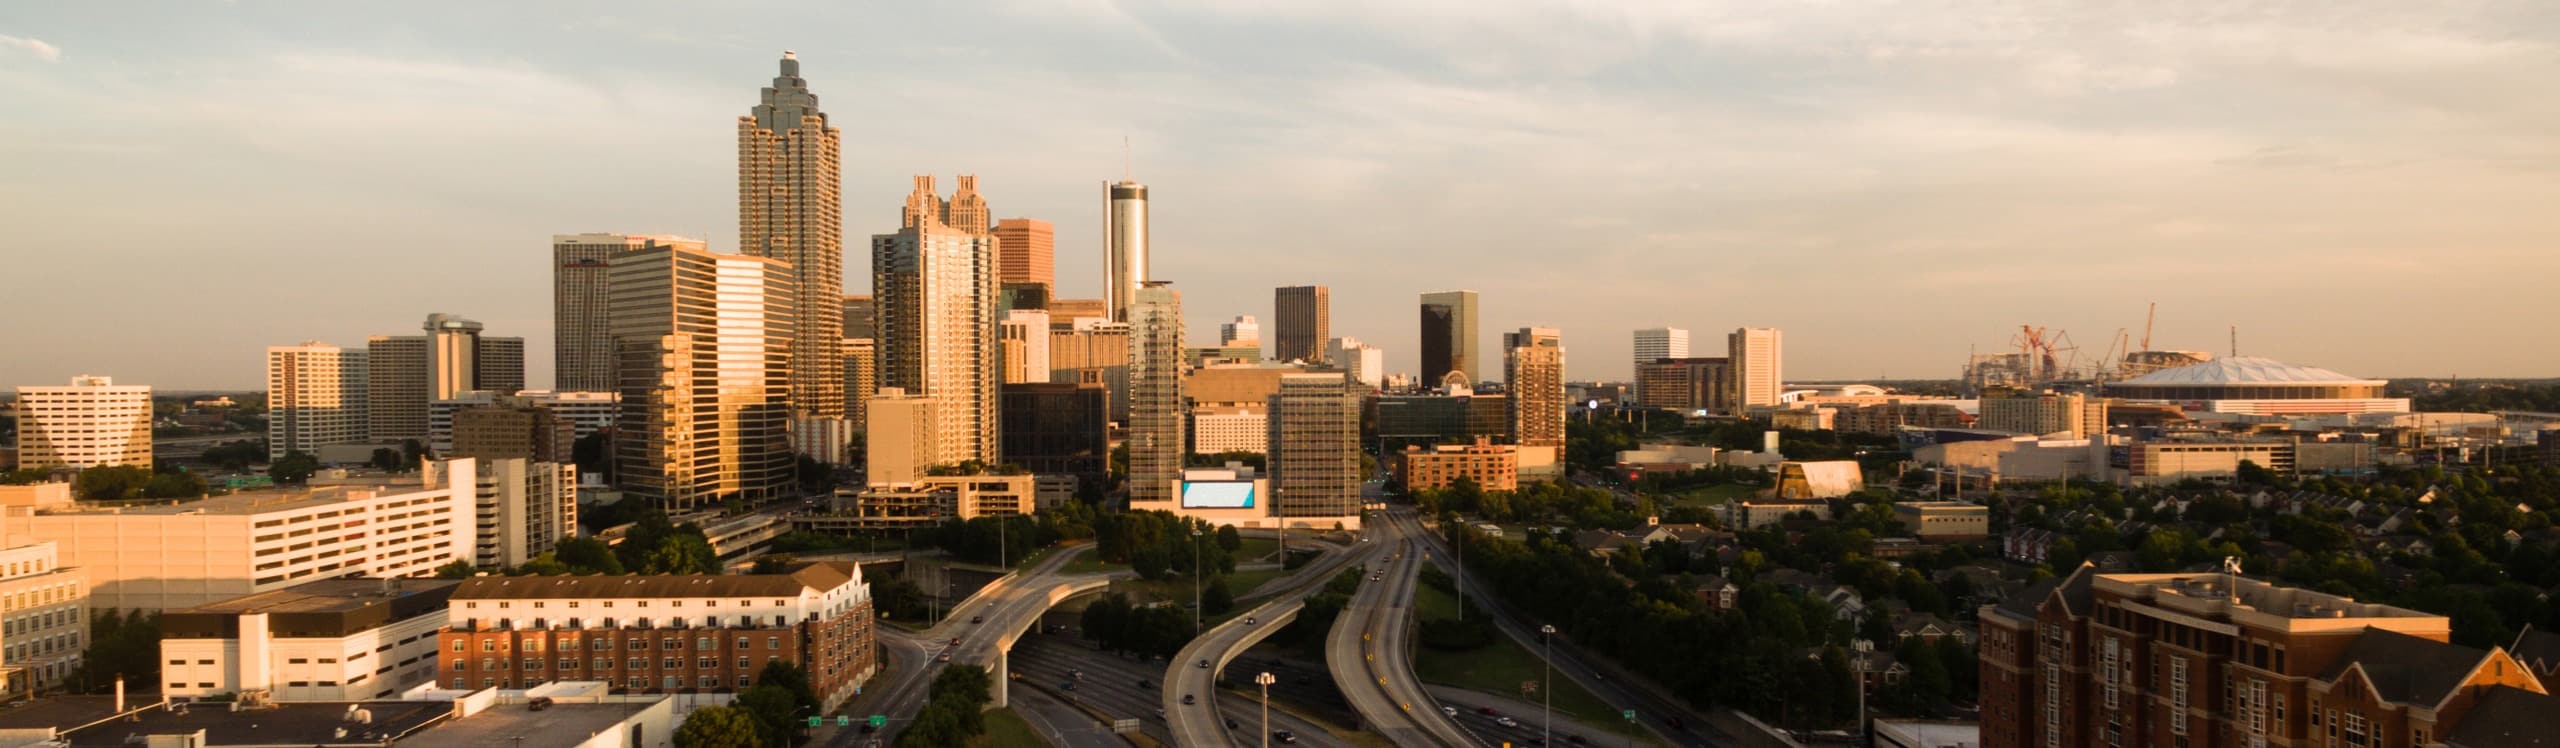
{"points": [[1124, 246]]}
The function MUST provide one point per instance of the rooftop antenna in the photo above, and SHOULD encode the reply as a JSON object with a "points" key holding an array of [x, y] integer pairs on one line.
{"points": [[2235, 341], [1125, 171]]}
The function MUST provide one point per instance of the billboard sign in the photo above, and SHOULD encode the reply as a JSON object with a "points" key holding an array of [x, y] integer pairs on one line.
{"points": [[1217, 495]]}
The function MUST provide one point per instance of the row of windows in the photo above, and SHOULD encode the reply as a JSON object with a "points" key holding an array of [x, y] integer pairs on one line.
{"points": [[602, 644], [605, 663], [573, 604], [669, 683]]}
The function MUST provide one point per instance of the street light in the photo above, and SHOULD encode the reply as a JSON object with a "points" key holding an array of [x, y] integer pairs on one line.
{"points": [[792, 736], [1547, 689], [1265, 680], [1195, 580]]}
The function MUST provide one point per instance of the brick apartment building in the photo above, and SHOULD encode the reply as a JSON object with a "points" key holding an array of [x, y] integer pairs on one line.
{"points": [[675, 633], [2210, 659]]}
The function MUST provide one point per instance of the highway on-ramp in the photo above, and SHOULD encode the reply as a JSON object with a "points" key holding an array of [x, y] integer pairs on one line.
{"points": [[1200, 723], [1369, 648]]}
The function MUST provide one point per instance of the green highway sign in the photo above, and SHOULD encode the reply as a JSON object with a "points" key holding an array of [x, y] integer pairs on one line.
{"points": [[1630, 714], [815, 721], [843, 720], [879, 720]]}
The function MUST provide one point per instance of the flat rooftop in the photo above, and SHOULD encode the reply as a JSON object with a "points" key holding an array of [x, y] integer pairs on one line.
{"points": [[64, 711], [312, 724], [502, 725], [324, 596], [2256, 595], [258, 501]]}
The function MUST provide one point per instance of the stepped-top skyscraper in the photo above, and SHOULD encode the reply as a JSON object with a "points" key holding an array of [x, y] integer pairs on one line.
{"points": [[934, 291], [789, 209], [1124, 246]]}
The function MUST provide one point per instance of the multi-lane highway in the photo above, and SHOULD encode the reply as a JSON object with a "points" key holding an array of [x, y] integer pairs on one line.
{"points": [[1203, 722], [1370, 646]]}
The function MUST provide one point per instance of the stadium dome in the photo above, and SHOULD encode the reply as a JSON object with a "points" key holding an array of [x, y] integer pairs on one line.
{"points": [[2245, 378]]}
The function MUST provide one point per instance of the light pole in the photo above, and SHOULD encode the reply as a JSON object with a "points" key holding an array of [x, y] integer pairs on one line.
{"points": [[1547, 689], [1265, 680], [1196, 573]]}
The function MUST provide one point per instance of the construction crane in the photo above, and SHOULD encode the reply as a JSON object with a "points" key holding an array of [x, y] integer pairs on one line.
{"points": [[2147, 319]]}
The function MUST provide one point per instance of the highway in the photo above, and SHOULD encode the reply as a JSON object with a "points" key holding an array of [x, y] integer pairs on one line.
{"points": [[1369, 648], [1654, 710], [1202, 723]]}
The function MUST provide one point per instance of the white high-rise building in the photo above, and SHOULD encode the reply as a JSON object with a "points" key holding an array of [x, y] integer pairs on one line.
{"points": [[1365, 363], [523, 508], [315, 398], [45, 605], [1124, 246], [1758, 358], [90, 423], [936, 290], [1533, 370]]}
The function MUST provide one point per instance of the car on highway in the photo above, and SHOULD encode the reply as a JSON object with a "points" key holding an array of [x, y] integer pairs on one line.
{"points": [[1067, 686], [1204, 664], [1249, 620], [1143, 684], [1076, 674], [955, 641], [1188, 699], [1507, 722], [1449, 711], [1376, 576], [1284, 736], [944, 657], [977, 619], [1488, 711], [1232, 724]]}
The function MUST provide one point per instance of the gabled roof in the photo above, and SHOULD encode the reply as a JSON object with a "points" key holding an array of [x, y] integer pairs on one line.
{"points": [[2540, 651], [2404, 669], [2074, 592], [2023, 605], [2508, 717]]}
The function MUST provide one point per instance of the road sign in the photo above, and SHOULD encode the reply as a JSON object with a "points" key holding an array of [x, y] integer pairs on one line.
{"points": [[844, 720], [879, 720], [815, 721], [1630, 714], [1124, 726]]}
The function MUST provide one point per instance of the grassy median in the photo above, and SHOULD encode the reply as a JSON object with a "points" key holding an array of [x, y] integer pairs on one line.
{"points": [[1500, 668]]}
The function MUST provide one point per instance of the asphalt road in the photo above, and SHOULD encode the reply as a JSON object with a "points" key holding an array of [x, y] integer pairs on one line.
{"points": [[1368, 650], [1202, 722], [1018, 599]]}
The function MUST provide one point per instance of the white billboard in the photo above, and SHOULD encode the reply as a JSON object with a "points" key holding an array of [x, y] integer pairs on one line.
{"points": [[1217, 495]]}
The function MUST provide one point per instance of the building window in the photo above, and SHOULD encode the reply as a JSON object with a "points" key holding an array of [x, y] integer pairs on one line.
{"points": [[638, 663], [457, 645], [672, 682], [488, 645], [773, 642], [673, 663]]}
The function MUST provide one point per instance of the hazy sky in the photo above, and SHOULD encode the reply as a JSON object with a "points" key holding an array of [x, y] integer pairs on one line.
{"points": [[2369, 186]]}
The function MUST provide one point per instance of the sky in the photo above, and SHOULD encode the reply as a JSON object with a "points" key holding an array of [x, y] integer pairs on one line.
{"points": [[2367, 186]]}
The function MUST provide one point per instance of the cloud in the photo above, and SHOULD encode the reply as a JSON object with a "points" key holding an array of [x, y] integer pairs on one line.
{"points": [[41, 49]]}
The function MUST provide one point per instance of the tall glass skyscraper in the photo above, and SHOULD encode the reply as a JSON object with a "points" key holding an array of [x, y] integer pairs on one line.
{"points": [[789, 209], [702, 346]]}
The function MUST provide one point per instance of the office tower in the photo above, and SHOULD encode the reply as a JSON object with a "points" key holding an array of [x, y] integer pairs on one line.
{"points": [[861, 378], [406, 373], [861, 317], [1025, 338], [1242, 331], [1687, 385], [1314, 446], [523, 508], [514, 429], [1059, 428], [178, 555], [936, 291], [967, 210], [789, 209], [2076, 415], [1222, 429], [586, 412], [582, 346], [1363, 362], [90, 423], [1091, 350], [702, 342], [1449, 339], [1533, 372], [1026, 252], [1759, 366], [1301, 321], [315, 398], [48, 628], [1124, 246], [1654, 344], [1155, 440], [720, 631], [900, 439]]}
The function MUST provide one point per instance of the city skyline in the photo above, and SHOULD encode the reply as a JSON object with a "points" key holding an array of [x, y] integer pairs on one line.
{"points": [[1715, 171]]}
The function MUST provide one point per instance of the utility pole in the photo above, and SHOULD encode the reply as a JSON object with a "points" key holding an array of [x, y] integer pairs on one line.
{"points": [[1196, 573]]}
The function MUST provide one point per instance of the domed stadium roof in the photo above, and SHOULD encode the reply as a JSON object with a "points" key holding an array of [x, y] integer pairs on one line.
{"points": [[2243, 370]]}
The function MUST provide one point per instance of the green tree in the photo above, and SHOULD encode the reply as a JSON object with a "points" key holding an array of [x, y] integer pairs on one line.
{"points": [[719, 727], [386, 458], [1216, 598], [587, 556], [457, 570], [773, 710], [111, 483], [1229, 539], [235, 455], [174, 484], [294, 468], [682, 554], [772, 563]]}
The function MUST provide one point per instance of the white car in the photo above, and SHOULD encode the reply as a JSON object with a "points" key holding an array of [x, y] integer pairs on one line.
{"points": [[1507, 722], [1449, 711]]}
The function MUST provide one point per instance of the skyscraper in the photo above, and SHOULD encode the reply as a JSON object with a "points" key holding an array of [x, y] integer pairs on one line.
{"points": [[90, 423], [1363, 362], [1533, 370], [1124, 246], [582, 346], [1026, 252], [1449, 338], [935, 290], [861, 378], [1155, 437], [1759, 366], [315, 398], [1301, 323], [861, 317], [1654, 344], [789, 209], [1025, 339], [702, 343], [1242, 331], [1314, 449], [405, 373]]}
